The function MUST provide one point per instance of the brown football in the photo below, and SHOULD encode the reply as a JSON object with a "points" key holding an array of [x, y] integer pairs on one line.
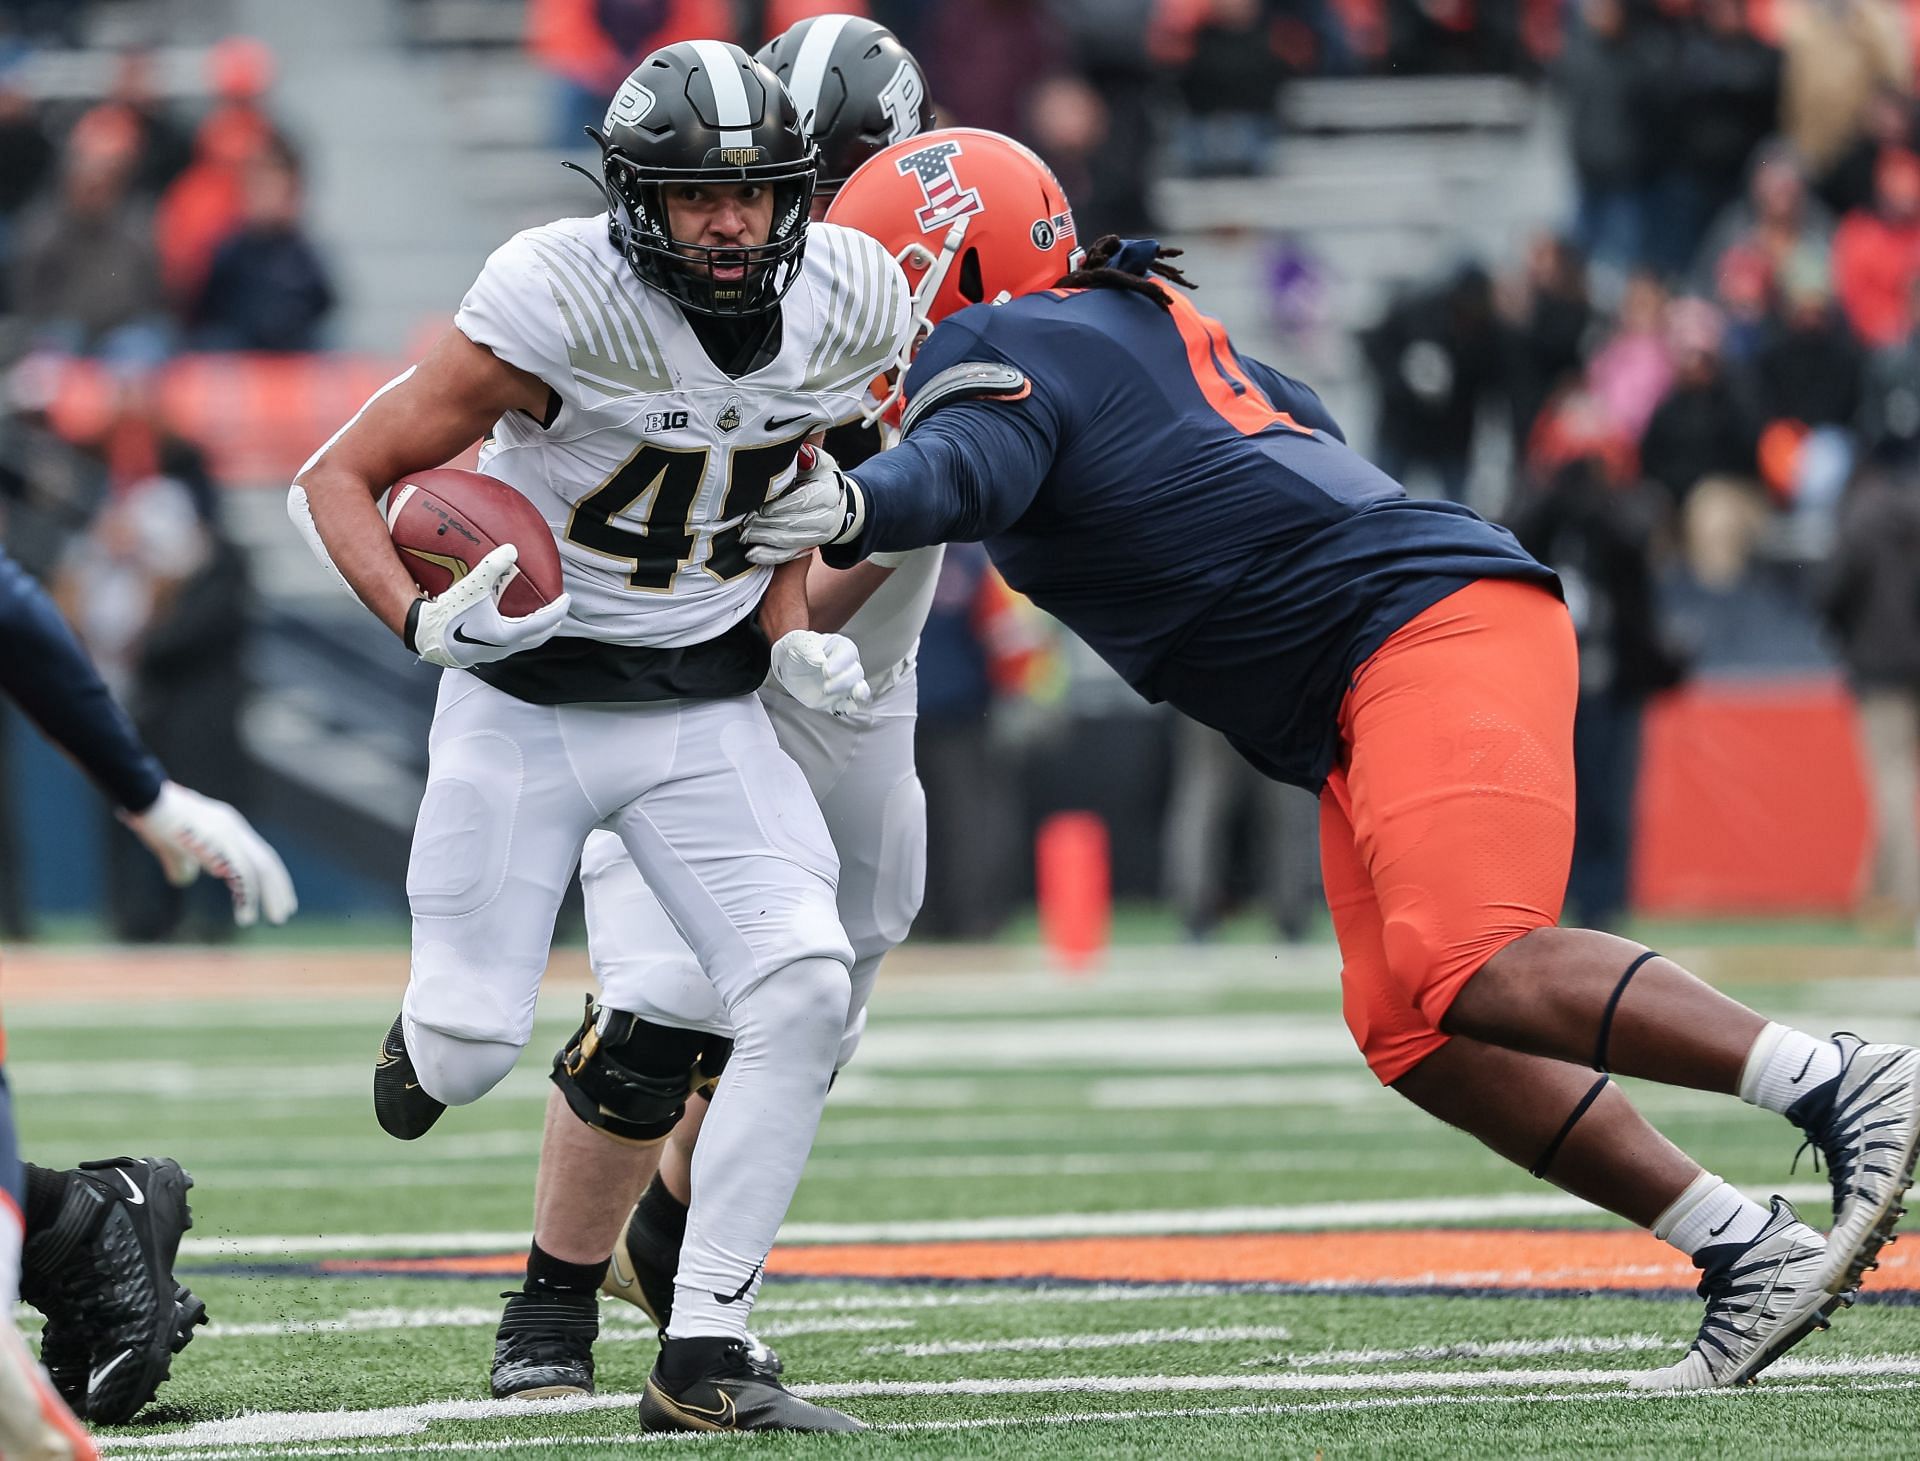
{"points": [[446, 520]]}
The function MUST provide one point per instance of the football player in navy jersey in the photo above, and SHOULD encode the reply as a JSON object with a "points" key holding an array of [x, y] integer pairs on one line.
{"points": [[93, 1248], [1198, 519]]}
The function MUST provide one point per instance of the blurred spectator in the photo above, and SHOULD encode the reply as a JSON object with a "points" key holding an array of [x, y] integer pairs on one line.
{"points": [[1598, 534], [1631, 373], [85, 276], [1876, 254], [206, 202], [1068, 128], [1890, 122], [1890, 395], [1756, 238], [971, 820], [1838, 53], [1605, 82], [1110, 43], [1229, 77], [1872, 604], [1702, 428], [1434, 357], [1214, 786], [1807, 379], [267, 288], [591, 45], [986, 59], [1548, 316], [1727, 84], [26, 156], [165, 147]]}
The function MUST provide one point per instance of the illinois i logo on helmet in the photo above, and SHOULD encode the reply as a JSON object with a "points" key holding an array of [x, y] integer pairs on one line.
{"points": [[946, 198]]}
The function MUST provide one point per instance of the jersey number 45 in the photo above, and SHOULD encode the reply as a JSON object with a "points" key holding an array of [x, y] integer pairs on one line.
{"points": [[669, 479]]}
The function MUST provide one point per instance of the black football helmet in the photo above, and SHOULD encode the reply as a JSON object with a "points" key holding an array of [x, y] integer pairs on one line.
{"points": [[705, 112], [858, 89]]}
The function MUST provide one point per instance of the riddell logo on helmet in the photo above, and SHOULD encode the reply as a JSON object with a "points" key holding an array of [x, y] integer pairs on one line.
{"points": [[946, 199]]}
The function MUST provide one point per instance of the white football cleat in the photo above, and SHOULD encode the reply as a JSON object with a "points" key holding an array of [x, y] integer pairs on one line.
{"points": [[1763, 1298], [1866, 1123], [35, 1424]]}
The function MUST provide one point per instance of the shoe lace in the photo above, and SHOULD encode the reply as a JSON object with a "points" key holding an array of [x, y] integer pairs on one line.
{"points": [[545, 1331]]}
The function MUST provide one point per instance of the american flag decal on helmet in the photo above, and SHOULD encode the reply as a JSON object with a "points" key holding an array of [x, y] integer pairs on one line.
{"points": [[946, 199]]}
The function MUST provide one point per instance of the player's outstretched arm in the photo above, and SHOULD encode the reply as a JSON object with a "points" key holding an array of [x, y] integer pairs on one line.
{"points": [[191, 834], [424, 419], [49, 676]]}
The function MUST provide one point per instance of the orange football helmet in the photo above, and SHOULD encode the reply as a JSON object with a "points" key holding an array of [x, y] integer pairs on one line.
{"points": [[971, 216]]}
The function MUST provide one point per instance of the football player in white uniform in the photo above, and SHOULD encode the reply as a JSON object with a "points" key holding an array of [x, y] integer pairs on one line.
{"points": [[857, 89], [645, 377]]}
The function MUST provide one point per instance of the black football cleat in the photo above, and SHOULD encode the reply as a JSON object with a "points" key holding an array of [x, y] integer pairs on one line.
{"points": [[642, 1269], [403, 1108], [714, 1384], [544, 1346], [102, 1273]]}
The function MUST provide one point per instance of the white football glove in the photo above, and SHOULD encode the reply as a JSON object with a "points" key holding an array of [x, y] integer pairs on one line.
{"points": [[821, 671], [464, 626], [191, 834], [821, 505]]}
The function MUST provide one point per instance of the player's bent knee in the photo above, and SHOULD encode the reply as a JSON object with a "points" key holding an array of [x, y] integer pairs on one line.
{"points": [[801, 1006], [456, 1070], [629, 1078]]}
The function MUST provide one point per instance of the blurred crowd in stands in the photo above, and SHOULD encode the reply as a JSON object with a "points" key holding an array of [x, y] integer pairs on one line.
{"points": [[1699, 397], [1708, 384]]}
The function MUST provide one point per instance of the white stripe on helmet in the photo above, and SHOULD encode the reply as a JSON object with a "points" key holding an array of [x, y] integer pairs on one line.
{"points": [[731, 112], [810, 66]]}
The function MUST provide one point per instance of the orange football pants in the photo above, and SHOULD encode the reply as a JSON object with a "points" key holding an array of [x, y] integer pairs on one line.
{"points": [[1446, 827]]}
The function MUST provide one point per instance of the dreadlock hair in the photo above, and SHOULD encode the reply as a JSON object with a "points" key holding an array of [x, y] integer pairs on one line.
{"points": [[1095, 272]]}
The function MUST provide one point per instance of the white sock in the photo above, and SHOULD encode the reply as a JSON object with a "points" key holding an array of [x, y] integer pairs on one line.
{"points": [[1708, 1214], [755, 1140], [1784, 1065]]}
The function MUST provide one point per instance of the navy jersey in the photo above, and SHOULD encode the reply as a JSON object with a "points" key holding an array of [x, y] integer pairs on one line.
{"points": [[1193, 514], [46, 672]]}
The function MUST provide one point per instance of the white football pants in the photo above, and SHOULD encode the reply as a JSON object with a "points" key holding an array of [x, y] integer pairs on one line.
{"points": [[725, 831], [861, 770]]}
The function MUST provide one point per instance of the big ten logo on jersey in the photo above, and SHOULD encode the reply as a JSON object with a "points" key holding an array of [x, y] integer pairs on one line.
{"points": [[658, 421], [946, 199], [900, 98]]}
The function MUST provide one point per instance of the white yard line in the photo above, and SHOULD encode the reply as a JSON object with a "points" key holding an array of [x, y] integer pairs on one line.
{"points": [[252, 1439], [1296, 1217], [613, 1325], [1308, 1359], [1042, 1343], [1381, 1380]]}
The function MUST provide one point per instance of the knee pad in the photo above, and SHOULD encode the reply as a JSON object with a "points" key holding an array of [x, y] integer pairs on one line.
{"points": [[803, 1004], [456, 1070], [630, 1078]]}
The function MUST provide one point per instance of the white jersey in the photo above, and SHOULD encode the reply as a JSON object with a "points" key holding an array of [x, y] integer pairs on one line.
{"points": [[657, 455]]}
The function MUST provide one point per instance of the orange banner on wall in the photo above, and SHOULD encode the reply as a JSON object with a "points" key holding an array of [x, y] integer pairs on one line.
{"points": [[1752, 800]]}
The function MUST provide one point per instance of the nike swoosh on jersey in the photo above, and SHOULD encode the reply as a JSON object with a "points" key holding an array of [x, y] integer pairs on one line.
{"points": [[774, 423]]}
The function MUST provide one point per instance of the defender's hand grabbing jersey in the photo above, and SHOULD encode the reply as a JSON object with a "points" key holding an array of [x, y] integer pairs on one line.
{"points": [[656, 455]]}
